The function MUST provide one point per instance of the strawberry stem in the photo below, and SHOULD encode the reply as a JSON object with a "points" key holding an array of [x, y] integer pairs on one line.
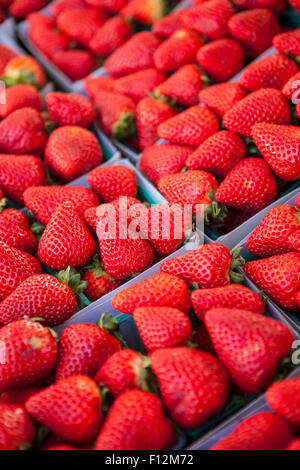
{"points": [[111, 325], [70, 277], [3, 203], [125, 126], [237, 261]]}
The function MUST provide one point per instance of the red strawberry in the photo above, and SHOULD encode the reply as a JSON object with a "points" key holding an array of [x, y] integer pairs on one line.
{"points": [[210, 19], [166, 26], [111, 182], [233, 296], [83, 348], [98, 284], [191, 127], [293, 445], [23, 132], [66, 240], [294, 241], [201, 339], [271, 236], [136, 54], [218, 154], [20, 96], [71, 409], [193, 384], [70, 109], [19, 396], [145, 12], [254, 29], [222, 97], [159, 290], [150, 113], [278, 277], [30, 351], [162, 327], [60, 5], [295, 4], [17, 430], [276, 5], [39, 296], [284, 399], [6, 54], [162, 160], [139, 84], [15, 216], [16, 236], [179, 49], [112, 6], [90, 217], [263, 431], [113, 34], [136, 421], [24, 69], [72, 151], [76, 64], [265, 105], [209, 266], [291, 88], [95, 84], [21, 8], [49, 41], [288, 42], [19, 172]]}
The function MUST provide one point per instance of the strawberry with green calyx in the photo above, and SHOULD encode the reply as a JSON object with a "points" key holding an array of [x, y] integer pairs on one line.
{"points": [[146, 12], [24, 70], [74, 280], [98, 282]]}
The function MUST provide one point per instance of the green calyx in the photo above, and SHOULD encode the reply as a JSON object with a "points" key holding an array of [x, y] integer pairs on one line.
{"points": [[97, 268], [216, 212], [158, 96], [72, 278], [112, 326], [36, 227], [49, 125], [252, 150], [147, 378], [125, 127], [237, 261], [22, 77], [3, 203]]}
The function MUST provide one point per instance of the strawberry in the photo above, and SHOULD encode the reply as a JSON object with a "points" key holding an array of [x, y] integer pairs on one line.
{"points": [[162, 160], [201, 339], [162, 327], [294, 240], [136, 421], [139, 84], [21, 8], [19, 396], [266, 105], [136, 54], [17, 430], [283, 397], [116, 114], [19, 172], [70, 109], [271, 236], [6, 54], [295, 4], [221, 59], [210, 19], [218, 154], [293, 445], [60, 5], [24, 69], [222, 97], [168, 25], [30, 351], [95, 84], [146, 12], [76, 64], [208, 266], [20, 96], [113, 34], [191, 127], [112, 6], [263, 431], [183, 86], [150, 113], [158, 290], [193, 384], [43, 200], [98, 284], [90, 217], [254, 29], [23, 132], [72, 151], [279, 147], [111, 182], [272, 72], [66, 240], [233, 296], [16, 236], [83, 348], [291, 88], [265, 343], [278, 277], [288, 42], [179, 49], [277, 6], [71, 409], [49, 41], [39, 20], [39, 296], [15, 216]]}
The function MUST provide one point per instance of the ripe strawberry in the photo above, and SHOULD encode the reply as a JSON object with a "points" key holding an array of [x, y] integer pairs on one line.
{"points": [[146, 12], [191, 127], [158, 290], [112, 6], [23, 132], [66, 240], [76, 64], [283, 397], [15, 216], [271, 236], [294, 240], [254, 29], [71, 409], [72, 151], [83, 348], [168, 25], [39, 20], [49, 41], [266, 105], [136, 54], [90, 217], [30, 351], [111, 182], [60, 5], [81, 24], [201, 339], [21, 8], [222, 97], [19, 396], [193, 384], [139, 84], [98, 284], [150, 113], [19, 172], [293, 445], [20, 96], [136, 421], [233, 296], [70, 109], [17, 430], [24, 69], [210, 19], [291, 88], [162, 160], [263, 431], [288, 42], [113, 34], [278, 277], [16, 236], [218, 154], [179, 49], [276, 5], [6, 54]]}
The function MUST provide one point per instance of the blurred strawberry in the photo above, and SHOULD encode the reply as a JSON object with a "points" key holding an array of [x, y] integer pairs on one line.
{"points": [[138, 85], [17, 431], [20, 96], [146, 12], [222, 97], [24, 69], [70, 109], [166, 26], [60, 5], [6, 54], [75, 64], [21, 8]]}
